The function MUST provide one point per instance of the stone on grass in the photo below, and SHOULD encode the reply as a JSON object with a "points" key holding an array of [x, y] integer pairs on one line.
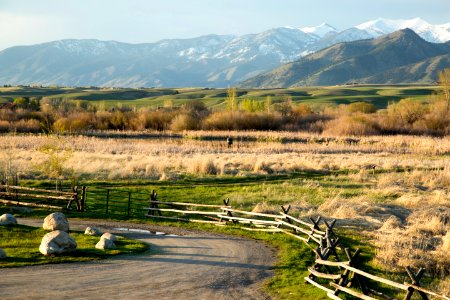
{"points": [[7, 219], [109, 236], [92, 231], [57, 242], [105, 244], [56, 221], [2, 254]]}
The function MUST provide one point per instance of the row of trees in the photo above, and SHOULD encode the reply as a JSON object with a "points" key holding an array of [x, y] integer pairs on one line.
{"points": [[407, 116]]}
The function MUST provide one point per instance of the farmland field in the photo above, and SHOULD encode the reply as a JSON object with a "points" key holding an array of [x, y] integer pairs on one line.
{"points": [[393, 191], [379, 95]]}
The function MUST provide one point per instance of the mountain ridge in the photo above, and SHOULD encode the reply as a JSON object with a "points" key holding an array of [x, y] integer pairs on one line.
{"points": [[365, 61], [209, 60]]}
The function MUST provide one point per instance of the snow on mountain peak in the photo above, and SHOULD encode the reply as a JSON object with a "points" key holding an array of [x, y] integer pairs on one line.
{"points": [[429, 32], [320, 30], [382, 26]]}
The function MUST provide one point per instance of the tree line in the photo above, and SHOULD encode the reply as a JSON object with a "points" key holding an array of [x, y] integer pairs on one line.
{"points": [[407, 116]]}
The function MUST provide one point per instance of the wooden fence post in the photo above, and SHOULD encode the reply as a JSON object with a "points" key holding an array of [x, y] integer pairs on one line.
{"points": [[83, 198], [415, 278], [153, 196]]}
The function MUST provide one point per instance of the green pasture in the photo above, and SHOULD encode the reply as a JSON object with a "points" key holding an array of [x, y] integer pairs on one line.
{"points": [[379, 95]]}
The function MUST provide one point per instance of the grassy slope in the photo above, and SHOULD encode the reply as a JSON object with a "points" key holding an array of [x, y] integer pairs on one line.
{"points": [[380, 95]]}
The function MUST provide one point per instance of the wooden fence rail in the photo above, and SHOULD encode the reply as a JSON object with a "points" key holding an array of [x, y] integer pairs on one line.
{"points": [[35, 197], [343, 275]]}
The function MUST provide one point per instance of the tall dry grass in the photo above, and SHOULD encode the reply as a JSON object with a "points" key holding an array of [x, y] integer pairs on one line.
{"points": [[266, 153]]}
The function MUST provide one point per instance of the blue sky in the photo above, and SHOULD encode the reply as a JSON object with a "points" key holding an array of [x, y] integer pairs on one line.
{"points": [[25, 22]]}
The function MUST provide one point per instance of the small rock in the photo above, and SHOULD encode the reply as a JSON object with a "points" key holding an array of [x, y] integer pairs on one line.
{"points": [[56, 221], [109, 236], [57, 242], [105, 244], [3, 254], [7, 219], [92, 231]]}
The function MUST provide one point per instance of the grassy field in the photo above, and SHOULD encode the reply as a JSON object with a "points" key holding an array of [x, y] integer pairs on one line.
{"points": [[390, 195], [21, 244], [379, 95]]}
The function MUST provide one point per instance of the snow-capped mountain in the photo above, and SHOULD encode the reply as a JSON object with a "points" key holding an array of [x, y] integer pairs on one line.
{"points": [[320, 30], [429, 32], [211, 60]]}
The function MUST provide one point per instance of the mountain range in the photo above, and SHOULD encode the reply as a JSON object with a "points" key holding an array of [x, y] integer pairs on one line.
{"points": [[209, 61], [399, 57]]}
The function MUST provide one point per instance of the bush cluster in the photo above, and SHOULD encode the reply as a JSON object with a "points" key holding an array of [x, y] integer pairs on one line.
{"points": [[76, 116]]}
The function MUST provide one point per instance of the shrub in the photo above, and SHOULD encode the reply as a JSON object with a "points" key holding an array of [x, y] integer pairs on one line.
{"points": [[407, 111], [184, 122], [351, 125], [361, 107], [30, 125], [242, 121], [158, 120]]}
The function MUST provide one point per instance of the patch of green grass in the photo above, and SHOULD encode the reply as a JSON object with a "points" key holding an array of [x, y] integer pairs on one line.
{"points": [[379, 95], [21, 244]]}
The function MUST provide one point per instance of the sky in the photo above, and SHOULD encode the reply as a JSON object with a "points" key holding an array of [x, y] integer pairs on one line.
{"points": [[26, 22]]}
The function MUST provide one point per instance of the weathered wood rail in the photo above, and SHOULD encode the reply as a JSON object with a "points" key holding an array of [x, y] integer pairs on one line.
{"points": [[336, 269], [35, 197]]}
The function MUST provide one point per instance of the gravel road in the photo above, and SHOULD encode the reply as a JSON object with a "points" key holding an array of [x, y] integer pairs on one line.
{"points": [[182, 264]]}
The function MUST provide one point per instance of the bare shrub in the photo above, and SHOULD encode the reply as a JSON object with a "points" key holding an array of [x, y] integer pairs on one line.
{"points": [[184, 122], [351, 125], [230, 120]]}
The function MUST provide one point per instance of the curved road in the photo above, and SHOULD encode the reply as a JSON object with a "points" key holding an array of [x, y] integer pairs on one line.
{"points": [[190, 265]]}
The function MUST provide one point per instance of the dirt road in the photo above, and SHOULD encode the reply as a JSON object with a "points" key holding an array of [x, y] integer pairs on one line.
{"points": [[191, 265]]}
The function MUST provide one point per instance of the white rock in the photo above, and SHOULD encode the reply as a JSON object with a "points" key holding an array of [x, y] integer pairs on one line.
{"points": [[56, 221], [57, 242], [105, 244], [92, 231], [109, 236], [2, 254], [7, 219]]}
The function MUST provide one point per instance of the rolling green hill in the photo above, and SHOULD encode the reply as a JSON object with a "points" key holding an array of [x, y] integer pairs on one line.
{"points": [[380, 95]]}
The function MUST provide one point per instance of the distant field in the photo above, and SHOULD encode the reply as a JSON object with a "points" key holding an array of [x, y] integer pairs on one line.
{"points": [[379, 95]]}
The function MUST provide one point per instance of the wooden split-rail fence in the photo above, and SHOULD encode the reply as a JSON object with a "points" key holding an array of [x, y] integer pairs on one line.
{"points": [[336, 269], [42, 198]]}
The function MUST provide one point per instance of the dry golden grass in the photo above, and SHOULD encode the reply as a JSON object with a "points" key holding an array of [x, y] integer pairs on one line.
{"points": [[424, 241], [117, 158]]}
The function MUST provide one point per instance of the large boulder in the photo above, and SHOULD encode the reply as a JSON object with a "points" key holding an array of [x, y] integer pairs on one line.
{"points": [[7, 219], [92, 231], [56, 221], [57, 242], [109, 236], [2, 254], [105, 244]]}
